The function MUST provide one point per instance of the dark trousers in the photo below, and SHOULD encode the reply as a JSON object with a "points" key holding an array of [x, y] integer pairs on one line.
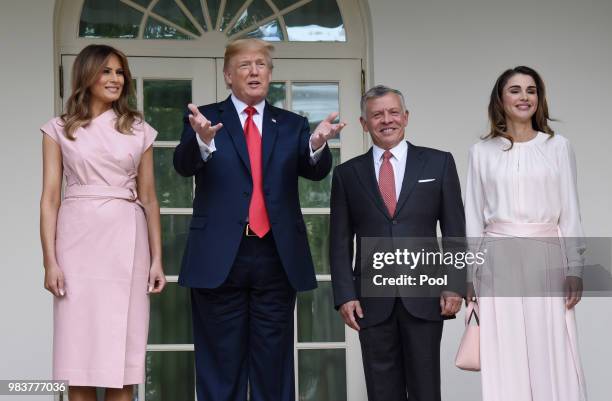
{"points": [[401, 358], [243, 330]]}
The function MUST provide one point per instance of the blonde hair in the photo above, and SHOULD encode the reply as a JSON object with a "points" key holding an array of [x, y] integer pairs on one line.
{"points": [[87, 67], [241, 45]]}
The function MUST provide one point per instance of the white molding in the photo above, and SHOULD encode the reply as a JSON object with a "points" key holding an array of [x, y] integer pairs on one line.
{"points": [[170, 347], [321, 345], [176, 210], [165, 144], [315, 210]]}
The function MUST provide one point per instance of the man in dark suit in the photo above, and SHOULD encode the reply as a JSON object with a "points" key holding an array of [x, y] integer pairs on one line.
{"points": [[247, 253], [396, 189]]}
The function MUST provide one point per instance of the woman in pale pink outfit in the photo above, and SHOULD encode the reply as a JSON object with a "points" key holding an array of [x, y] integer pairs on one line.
{"points": [[102, 242], [522, 183]]}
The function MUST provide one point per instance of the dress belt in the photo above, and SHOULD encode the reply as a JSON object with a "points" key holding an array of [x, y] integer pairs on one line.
{"points": [[523, 229], [100, 192]]}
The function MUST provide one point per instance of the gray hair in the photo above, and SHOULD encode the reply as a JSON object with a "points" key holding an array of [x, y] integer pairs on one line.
{"points": [[376, 92]]}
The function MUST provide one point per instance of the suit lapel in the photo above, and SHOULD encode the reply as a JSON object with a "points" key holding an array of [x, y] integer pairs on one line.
{"points": [[231, 123], [412, 172], [366, 174], [269, 134]]}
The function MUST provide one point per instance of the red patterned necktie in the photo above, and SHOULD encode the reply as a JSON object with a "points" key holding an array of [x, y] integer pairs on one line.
{"points": [[258, 215], [386, 183]]}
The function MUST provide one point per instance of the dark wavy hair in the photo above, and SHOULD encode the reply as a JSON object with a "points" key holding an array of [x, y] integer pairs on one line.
{"points": [[497, 116], [87, 67]]}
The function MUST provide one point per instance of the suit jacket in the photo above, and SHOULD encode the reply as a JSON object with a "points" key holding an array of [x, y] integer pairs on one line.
{"points": [[357, 209], [223, 192]]}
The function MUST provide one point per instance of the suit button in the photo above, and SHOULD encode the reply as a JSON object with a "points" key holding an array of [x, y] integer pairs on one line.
{"points": [[246, 194], [394, 222]]}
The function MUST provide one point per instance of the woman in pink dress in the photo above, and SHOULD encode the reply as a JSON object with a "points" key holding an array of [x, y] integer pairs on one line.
{"points": [[522, 200], [102, 242]]}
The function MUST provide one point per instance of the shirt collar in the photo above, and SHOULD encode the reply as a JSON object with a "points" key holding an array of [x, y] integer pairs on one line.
{"points": [[240, 105], [398, 151]]}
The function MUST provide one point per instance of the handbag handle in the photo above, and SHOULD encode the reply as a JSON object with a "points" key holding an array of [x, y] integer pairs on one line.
{"points": [[472, 311]]}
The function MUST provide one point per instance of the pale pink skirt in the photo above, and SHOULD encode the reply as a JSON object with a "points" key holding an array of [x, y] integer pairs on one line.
{"points": [[101, 324], [529, 347]]}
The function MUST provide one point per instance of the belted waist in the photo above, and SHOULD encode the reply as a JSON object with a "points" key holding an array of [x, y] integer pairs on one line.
{"points": [[100, 191], [523, 229]]}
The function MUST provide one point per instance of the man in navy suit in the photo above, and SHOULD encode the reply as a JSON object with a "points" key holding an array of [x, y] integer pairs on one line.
{"points": [[395, 190], [247, 252]]}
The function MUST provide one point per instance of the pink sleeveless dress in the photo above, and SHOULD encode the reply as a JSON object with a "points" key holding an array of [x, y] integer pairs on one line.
{"points": [[102, 247]]}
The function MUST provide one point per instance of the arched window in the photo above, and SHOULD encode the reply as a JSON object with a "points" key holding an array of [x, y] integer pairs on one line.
{"points": [[273, 20]]}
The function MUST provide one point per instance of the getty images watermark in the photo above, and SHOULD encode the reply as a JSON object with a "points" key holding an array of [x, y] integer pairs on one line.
{"points": [[496, 266], [416, 260]]}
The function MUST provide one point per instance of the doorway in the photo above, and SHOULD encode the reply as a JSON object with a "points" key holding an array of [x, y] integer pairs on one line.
{"points": [[327, 353]]}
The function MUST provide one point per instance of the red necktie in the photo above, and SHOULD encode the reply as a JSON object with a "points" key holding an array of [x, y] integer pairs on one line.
{"points": [[386, 183], [258, 215]]}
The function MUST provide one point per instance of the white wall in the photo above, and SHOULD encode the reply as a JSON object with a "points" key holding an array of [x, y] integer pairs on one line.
{"points": [[26, 82], [445, 55]]}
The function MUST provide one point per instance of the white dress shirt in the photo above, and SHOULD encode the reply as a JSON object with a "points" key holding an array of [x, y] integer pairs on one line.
{"points": [[207, 150], [398, 163]]}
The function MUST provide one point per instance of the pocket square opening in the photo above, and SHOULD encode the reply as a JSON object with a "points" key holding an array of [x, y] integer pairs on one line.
{"points": [[427, 180]]}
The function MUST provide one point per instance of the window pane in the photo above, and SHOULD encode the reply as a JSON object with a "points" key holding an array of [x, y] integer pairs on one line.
{"points": [[175, 228], [317, 193], [318, 321], [170, 376], [169, 10], [172, 190], [277, 96], [270, 32], [165, 103], [282, 4], [171, 316], [144, 3], [132, 99], [213, 10], [315, 101], [108, 19], [256, 11], [157, 30], [231, 8], [321, 375], [195, 8], [317, 227], [319, 20]]}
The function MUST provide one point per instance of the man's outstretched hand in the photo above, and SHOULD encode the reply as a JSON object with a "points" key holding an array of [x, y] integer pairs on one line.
{"points": [[201, 125], [326, 130]]}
